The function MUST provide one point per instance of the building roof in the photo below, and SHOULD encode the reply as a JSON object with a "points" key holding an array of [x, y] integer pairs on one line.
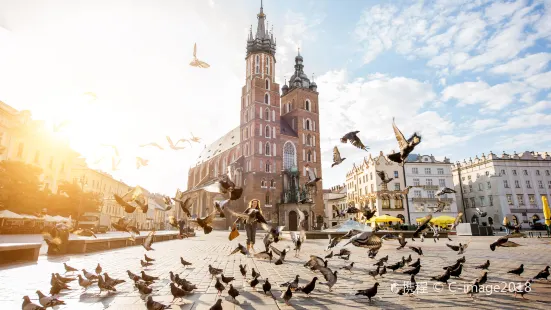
{"points": [[226, 142], [418, 158]]}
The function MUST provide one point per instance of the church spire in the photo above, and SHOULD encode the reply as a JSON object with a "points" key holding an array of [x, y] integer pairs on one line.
{"points": [[260, 28], [263, 40]]}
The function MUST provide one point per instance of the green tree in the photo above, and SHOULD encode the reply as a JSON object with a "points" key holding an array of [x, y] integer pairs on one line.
{"points": [[71, 199], [20, 187]]}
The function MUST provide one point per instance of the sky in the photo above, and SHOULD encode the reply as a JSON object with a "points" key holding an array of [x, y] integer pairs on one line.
{"points": [[469, 76]]}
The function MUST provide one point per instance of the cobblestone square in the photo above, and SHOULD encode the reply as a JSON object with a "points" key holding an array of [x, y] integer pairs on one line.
{"points": [[24, 279]]}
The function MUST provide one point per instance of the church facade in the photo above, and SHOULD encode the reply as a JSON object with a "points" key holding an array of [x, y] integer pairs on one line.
{"points": [[277, 138]]}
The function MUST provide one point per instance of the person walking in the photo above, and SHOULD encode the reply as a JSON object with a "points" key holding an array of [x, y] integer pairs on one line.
{"points": [[250, 228]]}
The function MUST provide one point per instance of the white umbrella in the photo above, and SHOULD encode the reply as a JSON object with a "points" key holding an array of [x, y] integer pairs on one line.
{"points": [[7, 214], [49, 218]]}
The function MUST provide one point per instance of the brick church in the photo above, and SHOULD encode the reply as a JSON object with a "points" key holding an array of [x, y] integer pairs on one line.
{"points": [[277, 138]]}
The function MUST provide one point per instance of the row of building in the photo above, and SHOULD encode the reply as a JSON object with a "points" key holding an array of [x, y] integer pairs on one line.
{"points": [[500, 186], [30, 141]]}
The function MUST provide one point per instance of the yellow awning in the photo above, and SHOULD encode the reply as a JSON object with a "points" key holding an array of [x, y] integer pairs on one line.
{"points": [[385, 219], [443, 219], [546, 211]]}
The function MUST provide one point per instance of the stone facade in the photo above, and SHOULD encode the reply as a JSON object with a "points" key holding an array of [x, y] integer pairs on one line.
{"points": [[278, 136], [428, 175], [336, 196], [503, 185]]}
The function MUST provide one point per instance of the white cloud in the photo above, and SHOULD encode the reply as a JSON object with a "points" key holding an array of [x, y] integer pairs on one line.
{"points": [[491, 97], [536, 107], [482, 124], [524, 67], [538, 140]]}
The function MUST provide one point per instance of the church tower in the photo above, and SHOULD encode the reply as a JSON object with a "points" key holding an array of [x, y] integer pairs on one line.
{"points": [[300, 109], [260, 120]]}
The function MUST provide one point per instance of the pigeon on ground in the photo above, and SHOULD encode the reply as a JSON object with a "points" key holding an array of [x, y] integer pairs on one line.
{"points": [[145, 264], [177, 292], [217, 305], [486, 265], [267, 287], [518, 271], [214, 271], [474, 289], [240, 248], [226, 280], [370, 292], [408, 260], [483, 278], [103, 286], [243, 270], [330, 276], [544, 274], [348, 267], [254, 274], [408, 288], [233, 292], [457, 271], [111, 281], [292, 284], [154, 305], [255, 281], [443, 277], [85, 283], [29, 305], [69, 268], [88, 275], [264, 255], [523, 289], [382, 271], [287, 295], [219, 286], [143, 288], [308, 288], [413, 271], [375, 272], [64, 279], [48, 301], [184, 262], [417, 263], [148, 278]]}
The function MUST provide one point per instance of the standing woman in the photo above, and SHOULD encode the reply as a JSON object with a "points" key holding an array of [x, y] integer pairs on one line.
{"points": [[250, 228]]}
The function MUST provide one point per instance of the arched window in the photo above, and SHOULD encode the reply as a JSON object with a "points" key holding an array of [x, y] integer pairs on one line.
{"points": [[267, 114], [268, 166], [308, 140], [257, 64], [267, 65], [289, 155], [273, 115], [307, 105], [308, 124], [267, 131], [288, 107], [272, 183], [309, 156], [267, 149], [267, 84], [267, 198], [266, 99], [262, 183]]}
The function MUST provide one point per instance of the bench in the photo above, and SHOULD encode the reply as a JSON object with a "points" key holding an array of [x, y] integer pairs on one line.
{"points": [[100, 244], [13, 252]]}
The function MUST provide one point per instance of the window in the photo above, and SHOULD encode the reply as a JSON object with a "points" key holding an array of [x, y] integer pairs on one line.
{"points": [[267, 198], [479, 186], [531, 199], [540, 184], [473, 204], [470, 187], [416, 182], [257, 64], [502, 171], [417, 194], [520, 199], [440, 170], [481, 201], [489, 185], [505, 184], [37, 157], [430, 194], [386, 203], [429, 181], [415, 170], [309, 157], [267, 131], [266, 99], [307, 105], [466, 202], [442, 182], [268, 166], [537, 172], [267, 114], [525, 172], [398, 203], [272, 183], [528, 185], [262, 166], [491, 198], [547, 172], [517, 184], [514, 172], [395, 174], [267, 84], [510, 199], [308, 139], [464, 189], [267, 65], [373, 190], [396, 186], [267, 149], [262, 182], [427, 171], [307, 124], [20, 149]]}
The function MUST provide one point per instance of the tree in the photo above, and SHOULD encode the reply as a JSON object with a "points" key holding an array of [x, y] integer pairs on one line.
{"points": [[20, 187], [71, 200]]}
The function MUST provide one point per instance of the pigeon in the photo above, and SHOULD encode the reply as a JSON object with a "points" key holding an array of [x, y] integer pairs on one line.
{"points": [[64, 279], [225, 186], [406, 146], [402, 241], [174, 146], [145, 264], [153, 144], [370, 292], [69, 268], [523, 289], [243, 270], [149, 241], [255, 281], [544, 274], [483, 278], [413, 271], [384, 176], [148, 278], [292, 284], [348, 267], [337, 159], [131, 275], [375, 272], [460, 249], [417, 263], [264, 255], [88, 275], [347, 257], [486, 265], [214, 271], [143, 288], [457, 220], [503, 242], [111, 281], [330, 277], [417, 250], [298, 239], [474, 289], [85, 283], [205, 222], [154, 305], [103, 286], [382, 271], [29, 305], [443, 191], [408, 260], [456, 264], [480, 213], [48, 301], [518, 271], [267, 287], [233, 292], [457, 271], [254, 274], [197, 63], [240, 248], [184, 262], [287, 295], [408, 288], [226, 280], [185, 205], [366, 240], [354, 140], [443, 277], [177, 292], [422, 226], [308, 288], [334, 241], [219, 207]]}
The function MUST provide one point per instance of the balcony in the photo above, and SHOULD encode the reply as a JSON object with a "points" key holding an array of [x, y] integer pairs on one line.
{"points": [[430, 187]]}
